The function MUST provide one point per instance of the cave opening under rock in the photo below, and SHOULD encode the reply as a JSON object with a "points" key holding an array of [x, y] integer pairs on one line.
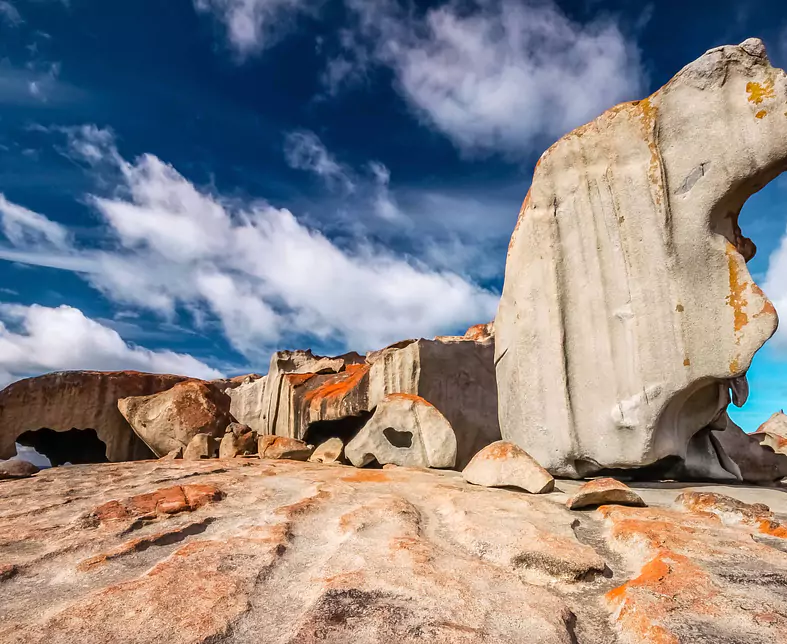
{"points": [[345, 428], [76, 446]]}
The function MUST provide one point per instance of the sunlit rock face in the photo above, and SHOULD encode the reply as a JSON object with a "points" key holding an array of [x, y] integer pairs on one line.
{"points": [[628, 311]]}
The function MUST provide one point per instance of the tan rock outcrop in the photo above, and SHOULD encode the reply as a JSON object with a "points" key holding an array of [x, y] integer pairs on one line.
{"points": [[283, 447], [404, 430], [331, 451], [17, 469], [246, 403], [200, 446], [170, 419], [238, 439], [281, 552], [627, 311], [604, 491], [83, 400], [773, 433], [503, 464]]}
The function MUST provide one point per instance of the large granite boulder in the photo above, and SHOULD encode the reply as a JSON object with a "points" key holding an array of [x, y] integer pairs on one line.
{"points": [[170, 419], [77, 400], [246, 403], [238, 551], [628, 312]]}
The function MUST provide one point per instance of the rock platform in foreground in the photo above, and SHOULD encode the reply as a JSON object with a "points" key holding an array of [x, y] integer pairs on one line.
{"points": [[247, 550]]}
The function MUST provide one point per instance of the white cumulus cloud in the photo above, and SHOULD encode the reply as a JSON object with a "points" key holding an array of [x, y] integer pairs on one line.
{"points": [[266, 278], [503, 77], [37, 339]]}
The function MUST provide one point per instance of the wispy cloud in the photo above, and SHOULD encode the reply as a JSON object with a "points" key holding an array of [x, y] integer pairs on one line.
{"points": [[303, 150], [253, 25], [9, 13], [36, 339], [505, 77], [264, 276]]}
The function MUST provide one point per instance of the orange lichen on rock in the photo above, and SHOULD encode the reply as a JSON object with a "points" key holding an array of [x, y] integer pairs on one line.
{"points": [[367, 476], [297, 379], [761, 114], [758, 92], [171, 500], [756, 515], [667, 583], [736, 299], [339, 385]]}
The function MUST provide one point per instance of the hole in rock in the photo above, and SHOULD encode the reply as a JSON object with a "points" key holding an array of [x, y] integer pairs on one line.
{"points": [[397, 438], [345, 428], [74, 446]]}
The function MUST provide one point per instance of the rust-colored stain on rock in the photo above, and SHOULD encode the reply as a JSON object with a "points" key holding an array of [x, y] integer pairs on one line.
{"points": [[761, 114], [367, 476], [171, 500]]}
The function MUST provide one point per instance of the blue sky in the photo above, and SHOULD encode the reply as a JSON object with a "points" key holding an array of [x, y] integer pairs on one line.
{"points": [[191, 184]]}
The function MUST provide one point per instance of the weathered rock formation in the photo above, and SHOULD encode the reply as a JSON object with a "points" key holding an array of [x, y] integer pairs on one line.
{"points": [[773, 433], [628, 312], [315, 398], [404, 430], [503, 464], [455, 374], [331, 451], [282, 552], [76, 400], [200, 446], [170, 419], [238, 439]]}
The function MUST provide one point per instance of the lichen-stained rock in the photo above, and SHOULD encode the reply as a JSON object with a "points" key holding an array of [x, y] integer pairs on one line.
{"points": [[283, 447], [404, 430], [455, 374], [505, 464], [695, 579], [68, 400], [732, 511], [604, 491], [289, 370], [481, 332], [17, 469], [627, 310], [773, 433], [170, 419], [283, 552]]}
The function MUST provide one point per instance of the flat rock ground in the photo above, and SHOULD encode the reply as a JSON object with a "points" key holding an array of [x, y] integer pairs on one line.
{"points": [[249, 550]]}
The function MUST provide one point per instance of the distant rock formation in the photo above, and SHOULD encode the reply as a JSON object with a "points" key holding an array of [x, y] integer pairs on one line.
{"points": [[628, 313], [171, 419], [773, 433], [77, 400]]}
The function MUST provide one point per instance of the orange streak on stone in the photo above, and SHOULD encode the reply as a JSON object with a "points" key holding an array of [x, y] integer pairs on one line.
{"points": [[761, 114], [411, 397]]}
